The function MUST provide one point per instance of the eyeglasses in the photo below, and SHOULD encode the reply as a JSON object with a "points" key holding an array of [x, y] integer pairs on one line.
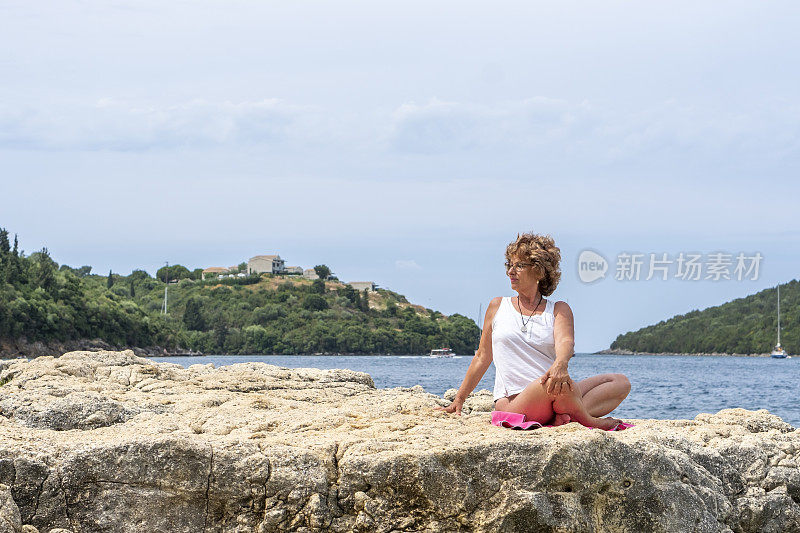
{"points": [[517, 266]]}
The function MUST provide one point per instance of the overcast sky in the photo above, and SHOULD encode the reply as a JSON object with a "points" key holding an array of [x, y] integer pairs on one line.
{"points": [[408, 142]]}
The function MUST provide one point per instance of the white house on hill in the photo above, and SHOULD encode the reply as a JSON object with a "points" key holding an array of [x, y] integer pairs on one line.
{"points": [[271, 264], [362, 285], [214, 271]]}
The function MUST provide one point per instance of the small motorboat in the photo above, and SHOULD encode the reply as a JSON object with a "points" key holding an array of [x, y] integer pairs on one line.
{"points": [[444, 352]]}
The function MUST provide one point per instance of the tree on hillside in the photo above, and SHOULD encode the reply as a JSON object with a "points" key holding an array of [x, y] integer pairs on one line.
{"points": [[13, 266], [350, 293], [44, 273], [315, 302], [5, 244], [110, 280], [318, 286], [221, 335], [132, 290], [5, 255], [193, 315], [322, 271], [173, 273], [81, 272], [139, 275]]}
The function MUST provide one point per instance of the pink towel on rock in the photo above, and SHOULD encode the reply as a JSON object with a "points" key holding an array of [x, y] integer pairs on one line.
{"points": [[517, 421]]}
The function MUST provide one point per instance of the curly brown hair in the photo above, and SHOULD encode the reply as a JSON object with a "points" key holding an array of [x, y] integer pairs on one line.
{"points": [[541, 250]]}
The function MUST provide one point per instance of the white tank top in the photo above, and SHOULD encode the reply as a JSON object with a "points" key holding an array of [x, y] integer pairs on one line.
{"points": [[521, 357]]}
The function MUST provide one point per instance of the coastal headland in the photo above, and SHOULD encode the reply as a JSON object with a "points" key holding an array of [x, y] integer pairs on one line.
{"points": [[108, 441], [619, 351]]}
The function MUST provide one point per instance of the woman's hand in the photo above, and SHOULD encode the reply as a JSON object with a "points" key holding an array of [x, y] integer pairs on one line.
{"points": [[556, 380], [454, 407]]}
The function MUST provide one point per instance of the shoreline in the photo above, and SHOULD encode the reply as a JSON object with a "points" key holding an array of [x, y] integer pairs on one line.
{"points": [[617, 351], [22, 348]]}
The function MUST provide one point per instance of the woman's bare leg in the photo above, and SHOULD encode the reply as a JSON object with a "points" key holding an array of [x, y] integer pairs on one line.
{"points": [[533, 402], [536, 404], [570, 403], [602, 394]]}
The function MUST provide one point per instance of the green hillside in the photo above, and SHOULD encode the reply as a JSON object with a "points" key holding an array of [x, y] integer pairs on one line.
{"points": [[260, 314], [744, 326]]}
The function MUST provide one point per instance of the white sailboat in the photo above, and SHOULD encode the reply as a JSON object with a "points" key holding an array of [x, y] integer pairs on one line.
{"points": [[778, 352]]}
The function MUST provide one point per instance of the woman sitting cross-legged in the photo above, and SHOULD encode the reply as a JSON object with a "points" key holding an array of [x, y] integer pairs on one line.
{"points": [[531, 340]]}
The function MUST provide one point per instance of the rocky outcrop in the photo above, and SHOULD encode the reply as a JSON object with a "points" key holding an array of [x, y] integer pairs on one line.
{"points": [[10, 521], [107, 441]]}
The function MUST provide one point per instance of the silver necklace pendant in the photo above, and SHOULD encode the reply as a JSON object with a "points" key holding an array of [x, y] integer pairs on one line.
{"points": [[524, 327]]}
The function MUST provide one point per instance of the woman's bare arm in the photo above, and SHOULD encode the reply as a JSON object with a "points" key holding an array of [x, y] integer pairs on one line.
{"points": [[556, 380], [480, 363]]}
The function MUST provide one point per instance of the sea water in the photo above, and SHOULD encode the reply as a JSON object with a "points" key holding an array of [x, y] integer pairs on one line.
{"points": [[667, 386]]}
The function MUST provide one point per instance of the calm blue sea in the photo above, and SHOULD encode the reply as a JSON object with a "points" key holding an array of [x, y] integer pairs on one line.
{"points": [[674, 386]]}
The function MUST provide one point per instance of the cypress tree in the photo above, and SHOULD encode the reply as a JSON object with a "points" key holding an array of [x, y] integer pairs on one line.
{"points": [[133, 291], [193, 316], [220, 335], [5, 246], [14, 267], [5, 258], [318, 286], [365, 301], [110, 280]]}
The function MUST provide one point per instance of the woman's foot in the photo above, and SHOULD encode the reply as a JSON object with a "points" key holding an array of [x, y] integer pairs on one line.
{"points": [[607, 422], [561, 419]]}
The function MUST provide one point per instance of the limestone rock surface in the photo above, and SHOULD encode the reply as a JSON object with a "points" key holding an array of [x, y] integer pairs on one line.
{"points": [[108, 441], [10, 521]]}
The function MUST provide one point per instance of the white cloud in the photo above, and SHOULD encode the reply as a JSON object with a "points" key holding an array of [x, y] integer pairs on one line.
{"points": [[121, 125], [407, 264], [502, 137], [552, 128]]}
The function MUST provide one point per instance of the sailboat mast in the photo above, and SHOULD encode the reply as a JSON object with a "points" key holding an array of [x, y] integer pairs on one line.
{"points": [[779, 315], [166, 285]]}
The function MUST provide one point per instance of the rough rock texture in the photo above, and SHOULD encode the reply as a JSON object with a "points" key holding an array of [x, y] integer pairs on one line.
{"points": [[107, 441], [10, 521]]}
